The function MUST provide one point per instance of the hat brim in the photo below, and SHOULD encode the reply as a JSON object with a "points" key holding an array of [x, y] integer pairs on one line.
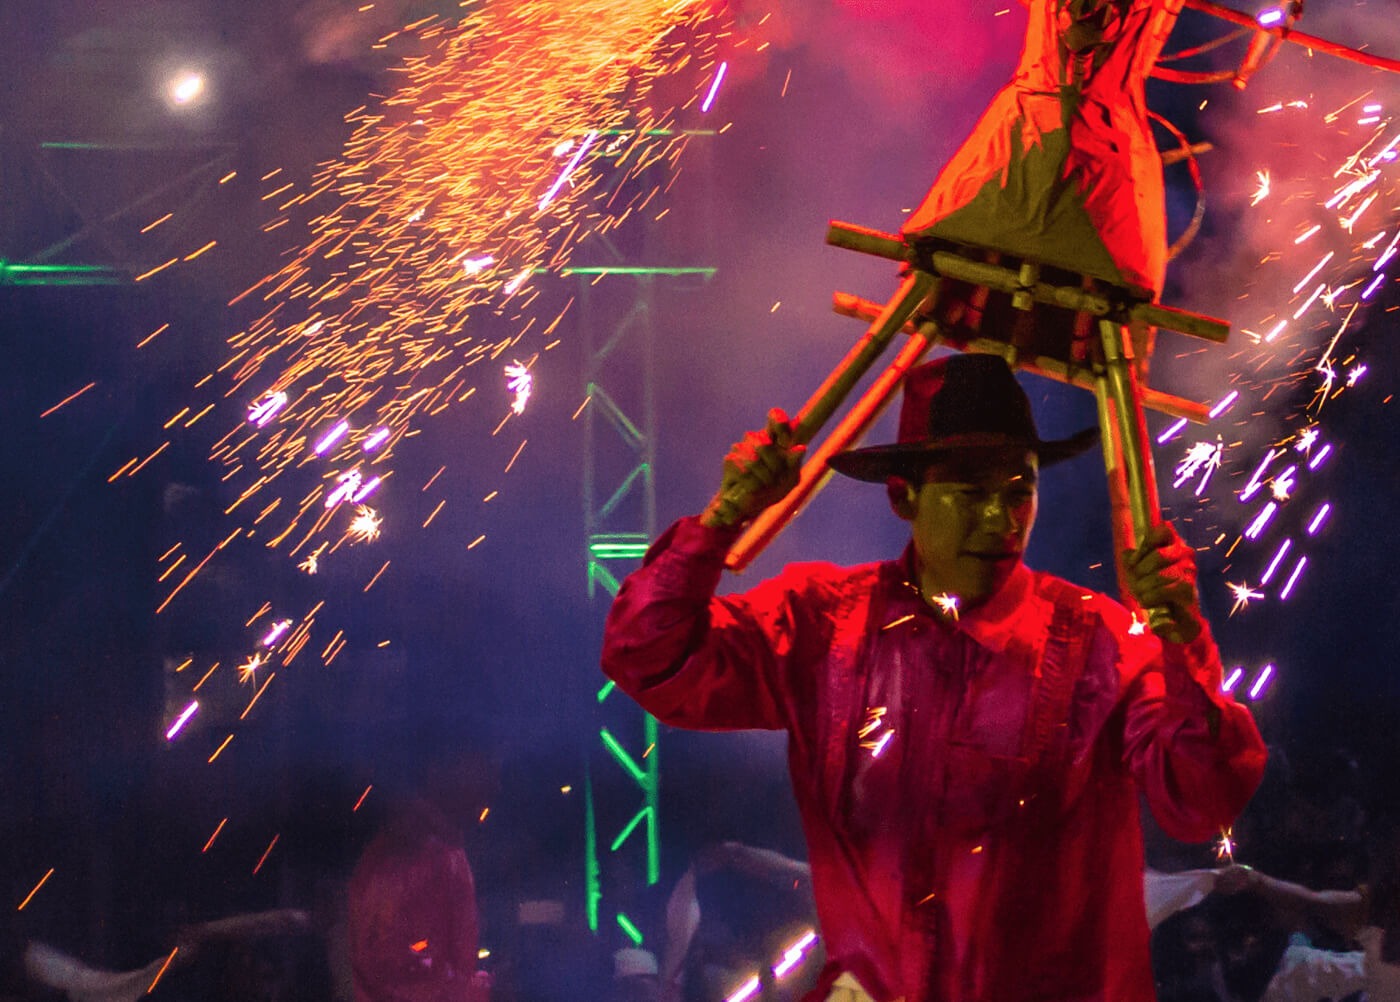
{"points": [[878, 463]]}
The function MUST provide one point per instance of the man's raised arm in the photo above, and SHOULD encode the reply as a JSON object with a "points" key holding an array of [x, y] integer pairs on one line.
{"points": [[1194, 751], [688, 658]]}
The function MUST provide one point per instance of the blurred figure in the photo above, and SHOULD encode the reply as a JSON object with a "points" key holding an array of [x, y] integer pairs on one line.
{"points": [[1266, 957], [1186, 959], [713, 949], [635, 976], [252, 971], [412, 914]]}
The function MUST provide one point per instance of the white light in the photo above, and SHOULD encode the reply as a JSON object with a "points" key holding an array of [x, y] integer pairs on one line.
{"points": [[186, 87], [745, 991]]}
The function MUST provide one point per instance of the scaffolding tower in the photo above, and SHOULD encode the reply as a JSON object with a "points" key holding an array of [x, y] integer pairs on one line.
{"points": [[619, 503]]}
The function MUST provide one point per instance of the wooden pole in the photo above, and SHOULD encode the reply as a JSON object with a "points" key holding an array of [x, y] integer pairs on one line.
{"points": [[1119, 513], [916, 287], [1133, 442], [1128, 460], [1300, 37], [815, 471]]}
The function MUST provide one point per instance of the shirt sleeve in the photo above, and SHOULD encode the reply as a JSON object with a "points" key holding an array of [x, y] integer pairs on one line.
{"points": [[1195, 753], [692, 659]]}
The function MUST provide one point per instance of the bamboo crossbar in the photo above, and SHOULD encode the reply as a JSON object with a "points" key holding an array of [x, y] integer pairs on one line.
{"points": [[848, 305], [999, 279]]}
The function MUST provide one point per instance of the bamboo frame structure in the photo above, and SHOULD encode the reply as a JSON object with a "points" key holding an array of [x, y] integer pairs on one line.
{"points": [[1113, 375]]}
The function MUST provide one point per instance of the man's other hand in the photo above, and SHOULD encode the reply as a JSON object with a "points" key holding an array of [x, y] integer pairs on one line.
{"points": [[1161, 576], [759, 471]]}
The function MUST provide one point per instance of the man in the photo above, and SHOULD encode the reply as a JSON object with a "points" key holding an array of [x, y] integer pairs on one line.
{"points": [[967, 737]]}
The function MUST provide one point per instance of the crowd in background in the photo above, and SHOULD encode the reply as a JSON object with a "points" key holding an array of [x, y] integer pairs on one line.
{"points": [[1307, 908]]}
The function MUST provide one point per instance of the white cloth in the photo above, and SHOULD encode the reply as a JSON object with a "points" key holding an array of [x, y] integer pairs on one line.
{"points": [[56, 969], [1307, 974], [1165, 894]]}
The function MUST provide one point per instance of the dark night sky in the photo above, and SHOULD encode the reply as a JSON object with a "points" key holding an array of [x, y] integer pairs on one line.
{"points": [[482, 693]]}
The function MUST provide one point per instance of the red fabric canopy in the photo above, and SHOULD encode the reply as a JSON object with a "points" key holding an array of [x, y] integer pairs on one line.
{"points": [[1062, 168]]}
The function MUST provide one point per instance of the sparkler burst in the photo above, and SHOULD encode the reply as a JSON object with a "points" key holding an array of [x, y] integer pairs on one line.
{"points": [[248, 669], [875, 733], [1324, 272], [312, 563], [1243, 595], [1203, 458], [520, 382], [1261, 190], [364, 528], [1225, 845], [947, 604], [512, 136], [449, 201]]}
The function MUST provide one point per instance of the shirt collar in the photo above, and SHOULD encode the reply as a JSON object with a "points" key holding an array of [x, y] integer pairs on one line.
{"points": [[1011, 613]]}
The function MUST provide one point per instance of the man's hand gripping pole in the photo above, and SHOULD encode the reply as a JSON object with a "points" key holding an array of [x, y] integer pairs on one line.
{"points": [[740, 500]]}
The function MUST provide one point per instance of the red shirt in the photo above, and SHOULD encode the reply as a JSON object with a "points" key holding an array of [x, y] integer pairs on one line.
{"points": [[968, 790]]}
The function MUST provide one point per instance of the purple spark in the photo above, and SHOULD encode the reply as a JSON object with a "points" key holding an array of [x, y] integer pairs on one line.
{"points": [[1256, 528], [793, 954], [366, 490], [1386, 255], [578, 155], [714, 87], [745, 991], [181, 720], [1252, 488], [1171, 432], [275, 634], [331, 437], [1302, 284], [1318, 519], [1278, 558], [1257, 689], [375, 440], [1293, 578], [1224, 404]]}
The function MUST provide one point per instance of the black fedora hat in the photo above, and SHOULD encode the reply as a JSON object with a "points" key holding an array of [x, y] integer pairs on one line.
{"points": [[958, 401]]}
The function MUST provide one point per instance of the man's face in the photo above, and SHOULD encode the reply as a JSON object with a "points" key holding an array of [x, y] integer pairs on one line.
{"points": [[971, 519]]}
